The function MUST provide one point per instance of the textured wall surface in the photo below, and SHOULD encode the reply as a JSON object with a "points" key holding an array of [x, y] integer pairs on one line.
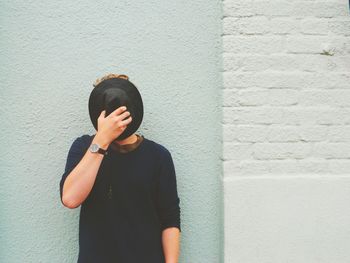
{"points": [[51, 52], [286, 131]]}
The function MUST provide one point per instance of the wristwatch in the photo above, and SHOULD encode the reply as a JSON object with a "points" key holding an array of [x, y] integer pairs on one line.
{"points": [[95, 148]]}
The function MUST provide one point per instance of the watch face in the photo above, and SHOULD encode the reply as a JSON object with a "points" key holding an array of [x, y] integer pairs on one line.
{"points": [[94, 147]]}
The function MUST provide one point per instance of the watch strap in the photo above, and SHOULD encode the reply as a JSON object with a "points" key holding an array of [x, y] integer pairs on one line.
{"points": [[104, 152]]}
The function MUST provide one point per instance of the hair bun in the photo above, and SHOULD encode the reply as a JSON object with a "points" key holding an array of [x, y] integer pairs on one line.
{"points": [[110, 76]]}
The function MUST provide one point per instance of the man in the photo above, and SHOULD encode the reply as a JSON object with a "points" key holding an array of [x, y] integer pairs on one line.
{"points": [[126, 189]]}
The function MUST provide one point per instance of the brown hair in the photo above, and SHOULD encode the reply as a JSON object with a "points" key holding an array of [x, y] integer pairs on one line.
{"points": [[110, 76]]}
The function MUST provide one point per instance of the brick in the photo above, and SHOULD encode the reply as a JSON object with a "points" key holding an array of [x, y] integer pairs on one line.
{"points": [[283, 25], [334, 98], [281, 150], [237, 151], [268, 97], [252, 115], [253, 44], [332, 150], [245, 26]]}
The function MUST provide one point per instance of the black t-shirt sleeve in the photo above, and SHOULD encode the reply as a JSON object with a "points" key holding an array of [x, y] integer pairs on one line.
{"points": [[75, 154], [168, 201]]}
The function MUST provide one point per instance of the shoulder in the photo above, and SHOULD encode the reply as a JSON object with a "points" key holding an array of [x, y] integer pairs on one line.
{"points": [[164, 159], [82, 141], [87, 138], [158, 149], [84, 138]]}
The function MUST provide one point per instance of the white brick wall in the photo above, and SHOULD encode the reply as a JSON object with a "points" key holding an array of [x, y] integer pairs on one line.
{"points": [[286, 84], [286, 116]]}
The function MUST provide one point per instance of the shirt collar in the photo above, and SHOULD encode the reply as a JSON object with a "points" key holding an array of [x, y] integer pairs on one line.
{"points": [[125, 148]]}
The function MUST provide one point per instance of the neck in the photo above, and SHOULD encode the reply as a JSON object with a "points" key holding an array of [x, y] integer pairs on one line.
{"points": [[129, 140]]}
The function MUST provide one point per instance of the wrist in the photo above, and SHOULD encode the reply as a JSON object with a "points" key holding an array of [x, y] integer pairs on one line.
{"points": [[100, 141]]}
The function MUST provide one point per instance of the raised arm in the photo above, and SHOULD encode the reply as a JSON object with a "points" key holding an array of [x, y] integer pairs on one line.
{"points": [[82, 165], [80, 172]]}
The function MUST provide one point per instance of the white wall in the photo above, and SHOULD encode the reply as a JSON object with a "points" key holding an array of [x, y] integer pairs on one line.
{"points": [[51, 53], [286, 131]]}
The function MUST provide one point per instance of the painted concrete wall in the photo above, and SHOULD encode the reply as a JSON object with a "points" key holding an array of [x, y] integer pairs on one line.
{"points": [[286, 131], [51, 52]]}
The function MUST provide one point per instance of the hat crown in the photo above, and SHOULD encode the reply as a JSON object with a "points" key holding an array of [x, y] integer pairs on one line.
{"points": [[111, 93]]}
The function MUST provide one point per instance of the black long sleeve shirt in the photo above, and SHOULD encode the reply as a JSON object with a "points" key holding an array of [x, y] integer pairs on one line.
{"points": [[134, 198]]}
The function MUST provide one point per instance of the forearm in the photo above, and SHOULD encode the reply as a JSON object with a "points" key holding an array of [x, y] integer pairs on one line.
{"points": [[80, 181], [171, 244]]}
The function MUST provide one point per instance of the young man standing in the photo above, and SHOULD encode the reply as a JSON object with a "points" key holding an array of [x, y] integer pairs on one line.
{"points": [[126, 187]]}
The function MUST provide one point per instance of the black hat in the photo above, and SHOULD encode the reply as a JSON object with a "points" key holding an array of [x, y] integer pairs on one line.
{"points": [[112, 92]]}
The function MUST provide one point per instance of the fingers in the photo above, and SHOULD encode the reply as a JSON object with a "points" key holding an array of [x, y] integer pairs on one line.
{"points": [[120, 117], [126, 122], [118, 111], [102, 114], [123, 115]]}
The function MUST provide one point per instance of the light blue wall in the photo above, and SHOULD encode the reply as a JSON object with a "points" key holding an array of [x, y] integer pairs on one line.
{"points": [[51, 52]]}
